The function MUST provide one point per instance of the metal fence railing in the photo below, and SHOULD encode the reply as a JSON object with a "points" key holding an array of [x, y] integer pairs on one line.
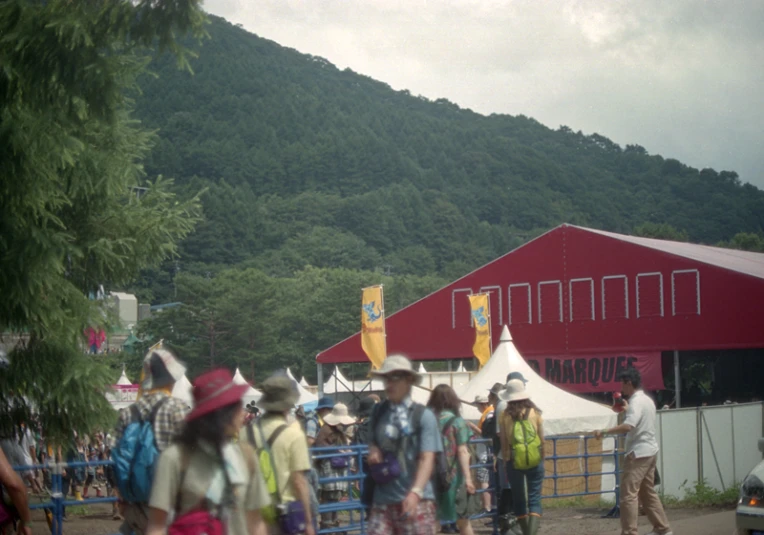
{"points": [[354, 517]]}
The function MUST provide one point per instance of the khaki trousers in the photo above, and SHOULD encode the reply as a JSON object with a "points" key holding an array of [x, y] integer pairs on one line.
{"points": [[638, 486]]}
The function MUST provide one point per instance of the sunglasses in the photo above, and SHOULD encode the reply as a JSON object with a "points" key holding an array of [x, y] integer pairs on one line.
{"points": [[395, 377]]}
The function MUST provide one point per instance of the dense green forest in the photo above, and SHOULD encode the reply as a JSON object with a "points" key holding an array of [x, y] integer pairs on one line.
{"points": [[317, 181]]}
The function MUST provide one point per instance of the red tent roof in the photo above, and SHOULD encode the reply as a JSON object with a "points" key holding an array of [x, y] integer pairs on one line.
{"points": [[579, 291]]}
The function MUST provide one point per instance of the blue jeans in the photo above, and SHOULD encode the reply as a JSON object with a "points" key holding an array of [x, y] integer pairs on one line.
{"points": [[526, 489]]}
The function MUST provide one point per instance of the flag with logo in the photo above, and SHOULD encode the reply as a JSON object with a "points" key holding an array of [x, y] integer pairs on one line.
{"points": [[373, 325], [481, 319]]}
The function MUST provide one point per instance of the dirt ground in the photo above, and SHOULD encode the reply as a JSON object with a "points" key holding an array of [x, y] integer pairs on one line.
{"points": [[96, 520]]}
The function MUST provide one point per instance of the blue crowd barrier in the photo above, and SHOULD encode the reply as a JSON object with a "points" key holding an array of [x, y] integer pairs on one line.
{"points": [[354, 478]]}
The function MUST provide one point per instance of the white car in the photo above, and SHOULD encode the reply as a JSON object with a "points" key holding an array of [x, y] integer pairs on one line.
{"points": [[750, 506]]}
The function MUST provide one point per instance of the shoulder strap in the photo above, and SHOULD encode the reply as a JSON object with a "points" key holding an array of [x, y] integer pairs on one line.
{"points": [[267, 445], [155, 410], [377, 412], [449, 423], [251, 435], [272, 439]]}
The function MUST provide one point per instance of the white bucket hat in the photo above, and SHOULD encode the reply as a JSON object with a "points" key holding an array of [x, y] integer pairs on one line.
{"points": [[339, 415], [481, 398], [397, 363], [514, 391]]}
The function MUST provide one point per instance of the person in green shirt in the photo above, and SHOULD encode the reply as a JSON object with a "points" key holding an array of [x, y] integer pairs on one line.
{"points": [[458, 503]]}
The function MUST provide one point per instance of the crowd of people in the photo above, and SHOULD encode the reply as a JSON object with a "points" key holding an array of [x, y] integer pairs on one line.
{"points": [[220, 467]]}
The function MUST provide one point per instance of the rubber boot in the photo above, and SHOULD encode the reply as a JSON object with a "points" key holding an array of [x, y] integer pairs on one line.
{"points": [[533, 524], [525, 526]]}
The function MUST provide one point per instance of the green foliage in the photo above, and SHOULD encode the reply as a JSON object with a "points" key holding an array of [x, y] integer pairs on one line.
{"points": [[76, 207], [701, 494], [310, 165], [61, 386], [660, 231], [243, 317], [746, 241]]}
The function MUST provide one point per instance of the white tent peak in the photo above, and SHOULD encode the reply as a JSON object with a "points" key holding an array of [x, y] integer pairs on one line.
{"points": [[305, 395], [239, 379], [505, 335], [303, 382], [460, 369], [123, 379], [421, 368], [337, 383], [564, 413], [183, 390]]}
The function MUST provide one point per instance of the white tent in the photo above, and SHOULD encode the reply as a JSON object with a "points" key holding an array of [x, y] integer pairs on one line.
{"points": [[564, 413], [461, 369], [303, 382], [183, 391], [421, 368], [337, 383], [306, 397], [252, 394], [123, 380]]}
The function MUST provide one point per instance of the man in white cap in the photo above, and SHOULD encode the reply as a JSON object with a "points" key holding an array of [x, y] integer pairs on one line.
{"points": [[161, 371], [404, 440]]}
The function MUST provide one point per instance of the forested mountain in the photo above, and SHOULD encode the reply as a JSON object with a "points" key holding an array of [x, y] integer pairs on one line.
{"points": [[309, 165]]}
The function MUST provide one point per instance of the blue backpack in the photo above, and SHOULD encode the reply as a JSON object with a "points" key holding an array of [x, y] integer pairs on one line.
{"points": [[135, 456]]}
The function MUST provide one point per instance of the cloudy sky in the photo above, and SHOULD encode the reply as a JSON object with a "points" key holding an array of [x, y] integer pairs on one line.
{"points": [[682, 78]]}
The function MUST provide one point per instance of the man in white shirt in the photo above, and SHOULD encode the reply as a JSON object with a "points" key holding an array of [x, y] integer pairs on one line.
{"points": [[641, 451]]}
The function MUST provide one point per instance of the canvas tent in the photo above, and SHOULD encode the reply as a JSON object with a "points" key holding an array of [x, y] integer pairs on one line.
{"points": [[421, 368], [252, 394], [339, 384], [307, 399], [182, 390], [123, 380], [564, 413], [303, 383]]}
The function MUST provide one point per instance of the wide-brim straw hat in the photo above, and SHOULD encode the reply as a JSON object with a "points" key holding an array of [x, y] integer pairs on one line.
{"points": [[214, 390], [397, 363], [514, 391], [280, 394], [339, 416]]}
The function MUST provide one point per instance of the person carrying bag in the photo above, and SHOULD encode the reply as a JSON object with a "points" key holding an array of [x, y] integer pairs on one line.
{"points": [[210, 484]]}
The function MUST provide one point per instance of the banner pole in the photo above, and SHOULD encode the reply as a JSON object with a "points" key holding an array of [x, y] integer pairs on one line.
{"points": [[677, 381]]}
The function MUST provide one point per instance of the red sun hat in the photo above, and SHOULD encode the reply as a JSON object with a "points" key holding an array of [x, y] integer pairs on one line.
{"points": [[213, 390]]}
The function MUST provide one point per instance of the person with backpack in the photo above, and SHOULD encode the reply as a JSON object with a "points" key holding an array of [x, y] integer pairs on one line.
{"points": [[282, 450], [144, 430], [522, 446], [456, 499], [333, 434], [404, 441], [205, 482], [314, 420]]}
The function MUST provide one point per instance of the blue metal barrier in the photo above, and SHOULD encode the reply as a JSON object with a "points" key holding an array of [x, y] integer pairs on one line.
{"points": [[355, 481]]}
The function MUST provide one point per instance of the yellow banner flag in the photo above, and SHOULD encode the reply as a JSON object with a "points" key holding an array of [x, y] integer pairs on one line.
{"points": [[481, 318], [373, 325]]}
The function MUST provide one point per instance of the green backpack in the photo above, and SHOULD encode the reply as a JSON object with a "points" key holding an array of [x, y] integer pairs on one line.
{"points": [[267, 470], [526, 444]]}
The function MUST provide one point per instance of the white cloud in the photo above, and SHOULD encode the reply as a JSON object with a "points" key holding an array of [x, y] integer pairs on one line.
{"points": [[682, 78]]}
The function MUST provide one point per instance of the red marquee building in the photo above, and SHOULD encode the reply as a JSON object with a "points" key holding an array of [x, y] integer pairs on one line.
{"points": [[582, 303]]}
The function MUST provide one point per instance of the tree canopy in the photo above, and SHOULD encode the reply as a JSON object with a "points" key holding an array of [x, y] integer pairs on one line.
{"points": [[77, 209]]}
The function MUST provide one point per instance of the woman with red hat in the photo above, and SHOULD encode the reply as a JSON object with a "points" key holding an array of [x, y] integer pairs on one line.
{"points": [[211, 484]]}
